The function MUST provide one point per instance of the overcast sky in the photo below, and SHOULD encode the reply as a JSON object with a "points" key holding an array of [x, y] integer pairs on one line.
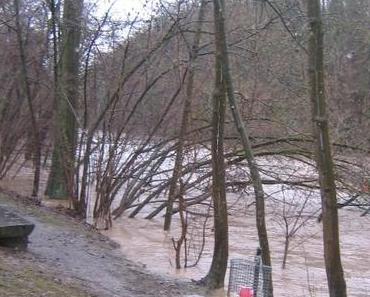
{"points": [[121, 8]]}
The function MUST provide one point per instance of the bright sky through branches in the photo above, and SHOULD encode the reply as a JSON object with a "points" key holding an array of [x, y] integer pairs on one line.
{"points": [[121, 8]]}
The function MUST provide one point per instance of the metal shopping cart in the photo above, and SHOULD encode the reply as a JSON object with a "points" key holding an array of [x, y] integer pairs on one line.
{"points": [[249, 278]]}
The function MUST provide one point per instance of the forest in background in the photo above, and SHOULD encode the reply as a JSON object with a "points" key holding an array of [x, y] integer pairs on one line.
{"points": [[123, 116]]}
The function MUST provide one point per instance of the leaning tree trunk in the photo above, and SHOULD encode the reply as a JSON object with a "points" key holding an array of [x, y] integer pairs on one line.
{"points": [[61, 178], [174, 186], [216, 275], [244, 135], [333, 264]]}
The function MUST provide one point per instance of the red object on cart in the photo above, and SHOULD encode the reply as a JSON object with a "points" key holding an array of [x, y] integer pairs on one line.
{"points": [[246, 292]]}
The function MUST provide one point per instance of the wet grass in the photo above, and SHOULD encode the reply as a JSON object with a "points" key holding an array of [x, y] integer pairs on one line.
{"points": [[19, 276], [19, 280]]}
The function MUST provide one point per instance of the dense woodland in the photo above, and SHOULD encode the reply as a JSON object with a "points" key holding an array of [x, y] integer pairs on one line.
{"points": [[165, 113]]}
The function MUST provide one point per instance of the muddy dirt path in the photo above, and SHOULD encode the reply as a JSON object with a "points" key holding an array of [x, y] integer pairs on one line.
{"points": [[67, 251]]}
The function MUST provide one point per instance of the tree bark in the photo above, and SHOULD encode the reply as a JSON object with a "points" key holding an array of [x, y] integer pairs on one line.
{"points": [[324, 160], [35, 142], [61, 183], [253, 167], [244, 135], [216, 275]]}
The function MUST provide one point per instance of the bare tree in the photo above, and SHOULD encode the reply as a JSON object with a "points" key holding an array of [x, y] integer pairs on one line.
{"points": [[186, 114], [333, 264], [36, 145], [61, 182], [216, 275]]}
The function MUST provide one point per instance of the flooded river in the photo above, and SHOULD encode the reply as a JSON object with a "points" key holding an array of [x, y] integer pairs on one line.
{"points": [[144, 241]]}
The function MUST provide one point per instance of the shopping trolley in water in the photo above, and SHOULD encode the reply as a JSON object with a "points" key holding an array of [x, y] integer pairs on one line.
{"points": [[249, 278]]}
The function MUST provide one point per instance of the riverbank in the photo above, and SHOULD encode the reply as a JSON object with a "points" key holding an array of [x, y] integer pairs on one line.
{"points": [[67, 258]]}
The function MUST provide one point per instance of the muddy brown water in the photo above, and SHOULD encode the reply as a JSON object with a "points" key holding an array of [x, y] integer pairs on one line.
{"points": [[144, 241]]}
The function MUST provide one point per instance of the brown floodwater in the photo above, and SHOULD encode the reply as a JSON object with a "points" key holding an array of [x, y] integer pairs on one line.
{"points": [[145, 242]]}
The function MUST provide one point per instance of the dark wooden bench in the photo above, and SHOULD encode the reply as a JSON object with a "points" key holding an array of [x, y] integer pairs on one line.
{"points": [[14, 230]]}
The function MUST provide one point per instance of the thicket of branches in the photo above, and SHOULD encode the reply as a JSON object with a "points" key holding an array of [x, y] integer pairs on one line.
{"points": [[143, 115]]}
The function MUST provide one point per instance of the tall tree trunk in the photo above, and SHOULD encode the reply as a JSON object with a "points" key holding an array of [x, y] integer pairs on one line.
{"points": [[333, 264], [173, 191], [216, 275], [35, 143], [244, 135], [61, 178]]}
